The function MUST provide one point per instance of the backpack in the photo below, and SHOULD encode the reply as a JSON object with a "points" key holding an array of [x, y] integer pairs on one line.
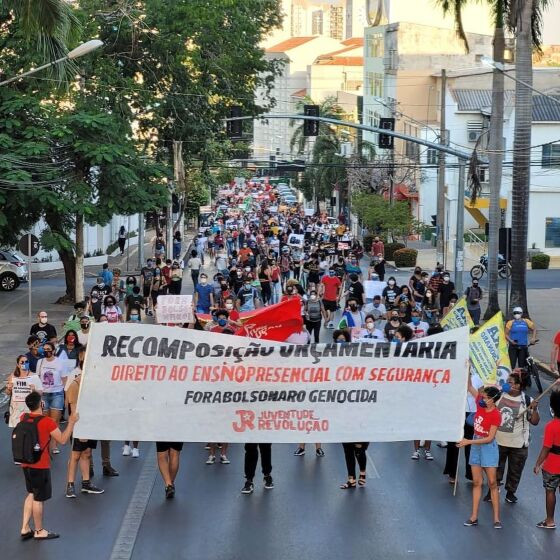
{"points": [[25, 441]]}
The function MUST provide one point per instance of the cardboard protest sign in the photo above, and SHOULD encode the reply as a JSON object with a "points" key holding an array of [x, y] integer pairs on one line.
{"points": [[174, 309], [296, 240], [154, 383]]}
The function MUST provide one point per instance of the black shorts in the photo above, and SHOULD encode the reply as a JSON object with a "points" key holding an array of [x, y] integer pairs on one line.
{"points": [[80, 446], [38, 483], [146, 291], [154, 295], [329, 305], [163, 446]]}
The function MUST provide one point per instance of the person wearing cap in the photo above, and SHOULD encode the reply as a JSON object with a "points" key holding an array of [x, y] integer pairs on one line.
{"points": [[474, 295], [517, 334]]}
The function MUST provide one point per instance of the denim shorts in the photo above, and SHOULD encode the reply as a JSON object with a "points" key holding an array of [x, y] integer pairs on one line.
{"points": [[485, 455], [550, 481], [53, 401]]}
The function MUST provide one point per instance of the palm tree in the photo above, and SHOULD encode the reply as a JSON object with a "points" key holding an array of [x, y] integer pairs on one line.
{"points": [[48, 22], [513, 13], [328, 108]]}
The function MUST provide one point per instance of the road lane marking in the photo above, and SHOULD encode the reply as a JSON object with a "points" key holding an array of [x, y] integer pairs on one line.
{"points": [[128, 532], [371, 467]]}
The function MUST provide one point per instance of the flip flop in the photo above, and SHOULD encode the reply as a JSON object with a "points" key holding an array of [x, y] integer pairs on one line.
{"points": [[26, 536], [48, 537], [543, 525]]}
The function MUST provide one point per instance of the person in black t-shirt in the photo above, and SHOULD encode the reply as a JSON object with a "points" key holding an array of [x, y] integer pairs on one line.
{"points": [[355, 289], [43, 330]]}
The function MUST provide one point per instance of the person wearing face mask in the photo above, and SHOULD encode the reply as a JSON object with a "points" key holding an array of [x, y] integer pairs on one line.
{"points": [[355, 290], [430, 307], [68, 351], [378, 310], [419, 327], [446, 289], [518, 331], [415, 279], [229, 306], [203, 295], [159, 287], [518, 412], [220, 321], [134, 316], [329, 293], [18, 386], [175, 279], [353, 267], [371, 331], [314, 313], [393, 323], [390, 293], [42, 329], [134, 302], [94, 305], [51, 372], [247, 296], [352, 317], [474, 295], [484, 450], [111, 310]]}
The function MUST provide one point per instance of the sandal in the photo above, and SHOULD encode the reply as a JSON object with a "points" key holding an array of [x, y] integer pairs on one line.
{"points": [[543, 525], [26, 536], [348, 484], [48, 536], [362, 480]]}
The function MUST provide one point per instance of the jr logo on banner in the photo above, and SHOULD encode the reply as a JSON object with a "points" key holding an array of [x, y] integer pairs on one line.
{"points": [[155, 383]]}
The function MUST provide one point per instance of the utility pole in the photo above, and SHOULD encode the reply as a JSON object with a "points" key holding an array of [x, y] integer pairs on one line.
{"points": [[393, 107], [440, 212], [459, 240], [141, 235]]}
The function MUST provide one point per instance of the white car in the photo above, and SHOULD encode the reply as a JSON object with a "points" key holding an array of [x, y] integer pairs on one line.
{"points": [[13, 270]]}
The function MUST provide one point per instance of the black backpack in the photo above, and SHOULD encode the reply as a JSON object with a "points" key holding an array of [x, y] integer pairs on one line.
{"points": [[25, 441]]}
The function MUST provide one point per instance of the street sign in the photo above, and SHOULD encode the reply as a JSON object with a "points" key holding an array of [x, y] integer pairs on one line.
{"points": [[24, 245]]}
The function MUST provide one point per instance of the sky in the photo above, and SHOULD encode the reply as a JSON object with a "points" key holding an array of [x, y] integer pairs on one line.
{"points": [[552, 25]]}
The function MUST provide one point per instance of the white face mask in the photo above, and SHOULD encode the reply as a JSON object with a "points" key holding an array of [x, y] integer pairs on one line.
{"points": [[517, 315], [203, 281], [391, 283], [370, 326], [229, 305], [313, 297]]}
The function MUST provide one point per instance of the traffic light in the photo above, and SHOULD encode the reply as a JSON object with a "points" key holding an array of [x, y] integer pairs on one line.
{"points": [[385, 141], [434, 220], [234, 128], [311, 128]]}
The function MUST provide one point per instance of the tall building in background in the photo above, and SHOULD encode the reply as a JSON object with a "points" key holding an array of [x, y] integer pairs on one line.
{"points": [[336, 22], [317, 22]]}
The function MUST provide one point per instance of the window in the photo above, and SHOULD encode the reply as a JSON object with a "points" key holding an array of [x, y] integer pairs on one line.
{"points": [[374, 84], [552, 232], [411, 149], [374, 45], [550, 156], [432, 156]]}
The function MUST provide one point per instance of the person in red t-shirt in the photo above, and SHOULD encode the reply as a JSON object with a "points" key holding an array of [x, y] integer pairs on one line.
{"points": [[555, 357], [38, 475], [484, 452], [549, 461], [330, 292]]}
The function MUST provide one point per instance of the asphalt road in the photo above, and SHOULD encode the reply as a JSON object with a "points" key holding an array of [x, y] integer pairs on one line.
{"points": [[406, 510]]}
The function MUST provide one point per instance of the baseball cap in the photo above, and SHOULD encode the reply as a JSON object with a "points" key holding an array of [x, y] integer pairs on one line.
{"points": [[518, 310]]}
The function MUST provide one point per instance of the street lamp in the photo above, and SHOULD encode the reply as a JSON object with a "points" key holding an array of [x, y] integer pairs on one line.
{"points": [[487, 61], [80, 50]]}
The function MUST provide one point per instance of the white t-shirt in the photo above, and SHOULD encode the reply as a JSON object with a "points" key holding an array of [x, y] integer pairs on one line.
{"points": [[71, 376], [83, 337], [298, 338], [113, 313], [420, 330], [20, 389], [51, 374], [365, 336]]}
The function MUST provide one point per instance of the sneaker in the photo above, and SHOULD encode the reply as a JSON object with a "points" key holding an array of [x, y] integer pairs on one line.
{"points": [[70, 491], [211, 460], [135, 453], [268, 483], [511, 498], [169, 492], [207, 447], [126, 450], [108, 470], [90, 488], [415, 456], [498, 525], [56, 451], [330, 325], [224, 460], [149, 313], [428, 455], [248, 488], [299, 452], [471, 523], [319, 452]]}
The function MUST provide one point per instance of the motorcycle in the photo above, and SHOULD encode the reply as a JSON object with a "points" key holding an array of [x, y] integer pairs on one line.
{"points": [[478, 270]]}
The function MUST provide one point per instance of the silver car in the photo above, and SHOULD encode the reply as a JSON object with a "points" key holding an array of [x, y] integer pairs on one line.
{"points": [[13, 270]]}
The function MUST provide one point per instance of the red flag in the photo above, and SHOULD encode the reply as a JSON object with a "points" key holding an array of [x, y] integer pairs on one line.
{"points": [[276, 322]]}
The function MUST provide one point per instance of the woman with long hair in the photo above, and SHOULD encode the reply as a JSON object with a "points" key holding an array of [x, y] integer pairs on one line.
{"points": [[484, 457], [19, 385]]}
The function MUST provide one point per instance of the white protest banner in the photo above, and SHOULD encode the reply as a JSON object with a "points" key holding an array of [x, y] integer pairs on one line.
{"points": [[174, 309], [309, 211], [372, 288], [155, 383]]}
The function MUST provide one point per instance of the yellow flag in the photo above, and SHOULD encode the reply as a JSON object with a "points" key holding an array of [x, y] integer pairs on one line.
{"points": [[488, 352], [457, 316]]}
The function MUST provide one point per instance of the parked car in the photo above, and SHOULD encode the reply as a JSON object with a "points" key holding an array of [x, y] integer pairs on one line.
{"points": [[13, 270]]}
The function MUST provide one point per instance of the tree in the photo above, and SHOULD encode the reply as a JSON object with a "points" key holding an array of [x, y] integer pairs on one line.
{"points": [[328, 108], [529, 30]]}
